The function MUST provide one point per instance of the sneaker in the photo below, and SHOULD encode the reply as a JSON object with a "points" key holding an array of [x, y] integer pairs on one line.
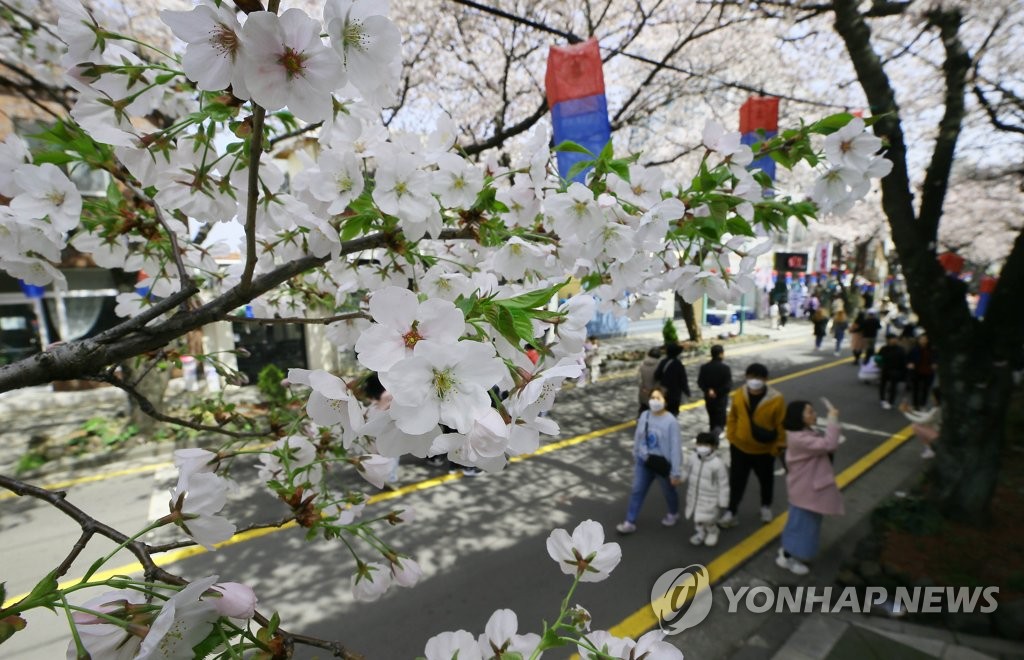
{"points": [[728, 520], [886, 405], [835, 353], [670, 519], [712, 538], [928, 453], [766, 514], [471, 471], [791, 564], [625, 527], [697, 539]]}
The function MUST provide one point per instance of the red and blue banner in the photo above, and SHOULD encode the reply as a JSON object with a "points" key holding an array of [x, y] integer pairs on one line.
{"points": [[579, 109], [760, 112]]}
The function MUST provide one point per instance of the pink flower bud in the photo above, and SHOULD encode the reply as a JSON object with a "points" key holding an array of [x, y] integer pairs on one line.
{"points": [[237, 601]]}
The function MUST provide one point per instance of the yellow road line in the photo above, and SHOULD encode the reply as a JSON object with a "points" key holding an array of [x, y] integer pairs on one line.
{"points": [[60, 485], [174, 556], [643, 619]]}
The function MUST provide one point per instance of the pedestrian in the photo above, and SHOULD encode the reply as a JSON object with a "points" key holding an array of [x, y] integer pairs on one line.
{"points": [[647, 383], [715, 380], [707, 494], [892, 365], [926, 425], [820, 320], [754, 429], [921, 365], [810, 483], [839, 325], [783, 313], [671, 376], [869, 328], [592, 359], [657, 455], [856, 337]]}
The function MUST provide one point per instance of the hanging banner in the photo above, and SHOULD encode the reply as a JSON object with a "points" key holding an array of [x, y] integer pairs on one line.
{"points": [[760, 112], [823, 258], [579, 109]]}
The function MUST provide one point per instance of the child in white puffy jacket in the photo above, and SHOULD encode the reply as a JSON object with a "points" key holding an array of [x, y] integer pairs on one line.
{"points": [[708, 489]]}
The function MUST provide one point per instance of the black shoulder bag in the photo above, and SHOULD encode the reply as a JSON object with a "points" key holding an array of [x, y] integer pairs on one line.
{"points": [[656, 463], [760, 433]]}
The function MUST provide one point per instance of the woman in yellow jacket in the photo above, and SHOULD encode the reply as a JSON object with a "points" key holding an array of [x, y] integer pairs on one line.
{"points": [[756, 437]]}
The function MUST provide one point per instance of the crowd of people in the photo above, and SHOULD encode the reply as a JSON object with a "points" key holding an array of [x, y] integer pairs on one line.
{"points": [[762, 429]]}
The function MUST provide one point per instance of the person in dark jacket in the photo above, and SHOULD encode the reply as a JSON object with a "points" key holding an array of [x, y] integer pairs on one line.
{"points": [[869, 333], [921, 361], [893, 366], [715, 380], [671, 376]]}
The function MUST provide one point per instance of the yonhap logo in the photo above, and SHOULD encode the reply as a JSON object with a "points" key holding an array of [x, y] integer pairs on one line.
{"points": [[681, 598]]}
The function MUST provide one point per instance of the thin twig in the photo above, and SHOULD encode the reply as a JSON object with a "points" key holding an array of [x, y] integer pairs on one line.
{"points": [[141, 319], [255, 151], [166, 547], [146, 406], [183, 275], [83, 540], [300, 319]]}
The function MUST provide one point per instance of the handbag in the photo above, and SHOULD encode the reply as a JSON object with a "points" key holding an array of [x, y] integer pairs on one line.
{"points": [[656, 463], [760, 433]]}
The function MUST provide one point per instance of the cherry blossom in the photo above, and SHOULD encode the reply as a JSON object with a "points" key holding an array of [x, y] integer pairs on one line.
{"points": [[584, 554], [375, 469], [406, 572], [521, 202], [727, 143], [100, 638], [198, 499], [367, 41], [214, 55], [13, 154], [287, 64], [185, 619], [456, 182], [340, 179], [501, 637], [300, 455], [483, 446], [402, 322], [450, 645], [193, 460], [574, 213], [236, 600], [371, 582], [851, 146], [442, 383], [46, 192]]}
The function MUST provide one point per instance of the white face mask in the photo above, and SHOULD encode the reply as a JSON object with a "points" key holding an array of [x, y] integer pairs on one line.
{"points": [[755, 384], [703, 450], [656, 405]]}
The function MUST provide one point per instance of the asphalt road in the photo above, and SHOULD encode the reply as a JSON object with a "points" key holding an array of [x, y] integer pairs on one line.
{"points": [[481, 542]]}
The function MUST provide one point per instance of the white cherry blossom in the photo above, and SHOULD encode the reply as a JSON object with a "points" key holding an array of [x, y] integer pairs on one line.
{"points": [[406, 572], [371, 583], [456, 182], [584, 554], [501, 637], [185, 619], [287, 64], [401, 322], [851, 146], [203, 495], [215, 52], [236, 600], [340, 179], [451, 645], [365, 39], [46, 192]]}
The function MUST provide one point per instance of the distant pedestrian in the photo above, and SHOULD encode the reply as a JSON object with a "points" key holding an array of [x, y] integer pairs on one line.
{"points": [[892, 361], [926, 425], [657, 456], [647, 382], [592, 359], [671, 376], [754, 429], [819, 317], [715, 380], [707, 494], [921, 364], [810, 482], [839, 325], [869, 329], [783, 313]]}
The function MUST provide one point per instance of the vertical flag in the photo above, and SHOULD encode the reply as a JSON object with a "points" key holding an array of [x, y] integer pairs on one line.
{"points": [[760, 112], [985, 289], [579, 109]]}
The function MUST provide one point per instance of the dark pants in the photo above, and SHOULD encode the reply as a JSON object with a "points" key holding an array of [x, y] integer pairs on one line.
{"points": [[869, 349], [921, 387], [740, 466], [888, 384], [716, 413]]}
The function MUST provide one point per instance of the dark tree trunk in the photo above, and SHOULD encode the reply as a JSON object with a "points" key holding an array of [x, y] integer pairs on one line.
{"points": [[689, 318]]}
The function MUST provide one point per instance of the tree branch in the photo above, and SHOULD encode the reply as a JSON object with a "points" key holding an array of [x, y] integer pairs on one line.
{"points": [[86, 357], [146, 406], [955, 68], [499, 137], [300, 319], [167, 547], [255, 152]]}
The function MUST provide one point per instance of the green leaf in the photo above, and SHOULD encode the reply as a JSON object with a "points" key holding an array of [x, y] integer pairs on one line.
{"points": [[46, 586], [830, 124], [213, 641], [606, 152], [55, 157], [532, 299], [577, 168], [523, 325], [738, 226], [621, 169], [573, 147]]}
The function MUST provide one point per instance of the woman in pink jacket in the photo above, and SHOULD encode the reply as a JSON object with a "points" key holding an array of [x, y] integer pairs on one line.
{"points": [[811, 483]]}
